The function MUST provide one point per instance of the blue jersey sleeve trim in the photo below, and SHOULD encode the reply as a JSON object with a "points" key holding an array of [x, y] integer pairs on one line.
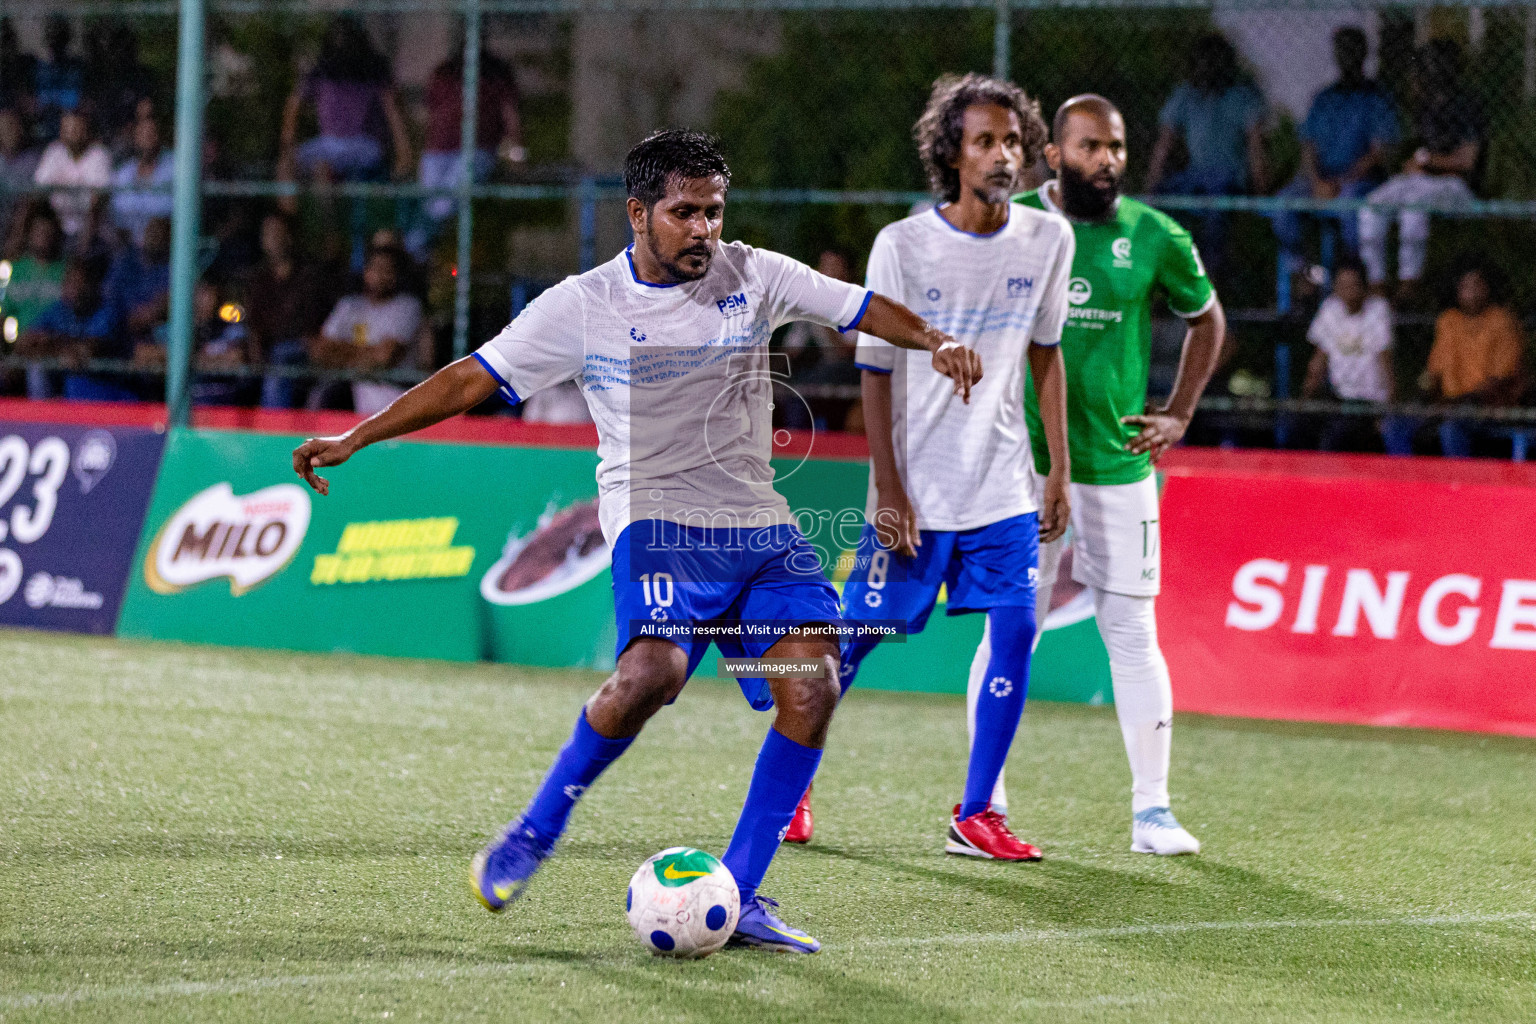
{"points": [[505, 389], [1045, 344], [872, 369], [863, 308]]}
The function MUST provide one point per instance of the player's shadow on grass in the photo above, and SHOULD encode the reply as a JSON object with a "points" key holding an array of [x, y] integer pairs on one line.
{"points": [[1059, 890]]}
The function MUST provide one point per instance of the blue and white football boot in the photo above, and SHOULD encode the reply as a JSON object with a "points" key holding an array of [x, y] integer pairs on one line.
{"points": [[1156, 830], [760, 928], [500, 873]]}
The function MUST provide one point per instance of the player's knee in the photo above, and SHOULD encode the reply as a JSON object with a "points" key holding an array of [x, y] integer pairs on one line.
{"points": [[813, 698], [1128, 626], [647, 677]]}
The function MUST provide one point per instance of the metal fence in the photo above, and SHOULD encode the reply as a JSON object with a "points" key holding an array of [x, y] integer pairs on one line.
{"points": [[866, 51]]}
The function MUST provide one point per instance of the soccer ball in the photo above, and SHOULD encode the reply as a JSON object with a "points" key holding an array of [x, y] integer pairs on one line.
{"points": [[683, 903]]}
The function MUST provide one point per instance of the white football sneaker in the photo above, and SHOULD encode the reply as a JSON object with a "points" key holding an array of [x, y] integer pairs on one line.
{"points": [[1156, 830]]}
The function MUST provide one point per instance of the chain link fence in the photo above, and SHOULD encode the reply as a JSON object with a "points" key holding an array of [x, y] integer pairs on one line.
{"points": [[815, 102]]}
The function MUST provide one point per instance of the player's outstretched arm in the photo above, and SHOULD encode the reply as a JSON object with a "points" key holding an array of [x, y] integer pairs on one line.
{"points": [[890, 320], [1049, 372], [457, 387], [1164, 428]]}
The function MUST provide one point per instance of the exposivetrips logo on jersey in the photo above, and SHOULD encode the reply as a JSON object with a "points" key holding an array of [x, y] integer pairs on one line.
{"points": [[217, 533]]}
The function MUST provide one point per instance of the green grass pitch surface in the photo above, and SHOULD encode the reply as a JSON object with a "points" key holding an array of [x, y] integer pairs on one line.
{"points": [[196, 834]]}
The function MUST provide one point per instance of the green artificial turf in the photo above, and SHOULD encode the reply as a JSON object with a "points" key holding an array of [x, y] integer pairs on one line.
{"points": [[192, 834]]}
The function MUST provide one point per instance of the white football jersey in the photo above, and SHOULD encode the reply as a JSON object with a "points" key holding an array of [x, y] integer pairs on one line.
{"points": [[676, 377], [967, 466]]}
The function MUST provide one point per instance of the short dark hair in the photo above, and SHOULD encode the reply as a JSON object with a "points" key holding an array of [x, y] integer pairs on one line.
{"points": [[1088, 103], [669, 155], [939, 131]]}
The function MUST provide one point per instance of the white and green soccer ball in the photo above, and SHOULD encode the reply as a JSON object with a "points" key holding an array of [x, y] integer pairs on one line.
{"points": [[683, 903]]}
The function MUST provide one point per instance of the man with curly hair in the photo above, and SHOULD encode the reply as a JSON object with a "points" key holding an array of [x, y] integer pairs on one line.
{"points": [[951, 502], [1126, 253]]}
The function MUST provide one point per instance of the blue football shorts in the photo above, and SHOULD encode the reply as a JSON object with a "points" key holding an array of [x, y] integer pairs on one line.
{"points": [[754, 584], [991, 566]]}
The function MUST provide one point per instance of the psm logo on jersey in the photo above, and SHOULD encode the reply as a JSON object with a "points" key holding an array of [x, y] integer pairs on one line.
{"points": [[1121, 249], [636, 335], [934, 295], [1018, 287], [733, 304], [1079, 291]]}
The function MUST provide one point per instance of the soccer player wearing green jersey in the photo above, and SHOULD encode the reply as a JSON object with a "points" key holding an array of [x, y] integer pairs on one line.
{"points": [[1126, 253]]}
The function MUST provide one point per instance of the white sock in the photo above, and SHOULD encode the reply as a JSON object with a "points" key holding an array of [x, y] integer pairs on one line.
{"points": [[979, 674], [1143, 692]]}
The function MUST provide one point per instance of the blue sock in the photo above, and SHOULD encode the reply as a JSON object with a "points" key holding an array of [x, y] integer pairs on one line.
{"points": [[576, 767], [1000, 705], [784, 769]]}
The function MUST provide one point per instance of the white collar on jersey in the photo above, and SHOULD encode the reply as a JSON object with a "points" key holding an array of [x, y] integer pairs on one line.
{"points": [[972, 234]]}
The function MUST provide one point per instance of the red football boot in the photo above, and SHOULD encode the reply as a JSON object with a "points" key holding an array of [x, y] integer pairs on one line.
{"points": [[803, 823], [986, 835]]}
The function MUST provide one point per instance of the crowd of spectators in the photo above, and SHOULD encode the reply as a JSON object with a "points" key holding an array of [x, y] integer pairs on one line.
{"points": [[86, 169], [1358, 142], [86, 166]]}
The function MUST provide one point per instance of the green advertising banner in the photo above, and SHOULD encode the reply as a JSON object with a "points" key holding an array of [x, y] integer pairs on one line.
{"points": [[469, 552], [238, 551]]}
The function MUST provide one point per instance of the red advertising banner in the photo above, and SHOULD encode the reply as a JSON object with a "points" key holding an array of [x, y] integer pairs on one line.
{"points": [[1351, 589]]}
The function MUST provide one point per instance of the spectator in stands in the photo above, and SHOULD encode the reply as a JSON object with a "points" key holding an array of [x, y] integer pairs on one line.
{"points": [[18, 163], [286, 303], [1350, 127], [17, 71], [1218, 117], [58, 83], [498, 131], [371, 332], [1477, 355], [119, 88], [351, 90], [37, 270], [80, 326], [820, 358], [74, 160], [220, 342], [139, 284], [1448, 133], [1352, 333], [151, 168]]}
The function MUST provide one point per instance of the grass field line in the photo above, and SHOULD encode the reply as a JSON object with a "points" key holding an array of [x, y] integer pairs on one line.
{"points": [[241, 986], [151, 991], [1183, 927]]}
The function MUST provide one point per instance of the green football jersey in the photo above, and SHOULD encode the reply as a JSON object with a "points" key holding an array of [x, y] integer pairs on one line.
{"points": [[1107, 342]]}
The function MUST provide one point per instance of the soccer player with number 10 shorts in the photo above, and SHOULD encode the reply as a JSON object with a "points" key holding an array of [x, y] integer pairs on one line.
{"points": [[669, 341], [950, 500], [1126, 252]]}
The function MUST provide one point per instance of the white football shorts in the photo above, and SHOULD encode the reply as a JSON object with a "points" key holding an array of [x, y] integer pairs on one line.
{"points": [[1116, 546]]}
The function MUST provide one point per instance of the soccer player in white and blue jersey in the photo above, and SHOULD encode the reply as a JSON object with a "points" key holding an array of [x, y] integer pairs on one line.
{"points": [[950, 498], [668, 341]]}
